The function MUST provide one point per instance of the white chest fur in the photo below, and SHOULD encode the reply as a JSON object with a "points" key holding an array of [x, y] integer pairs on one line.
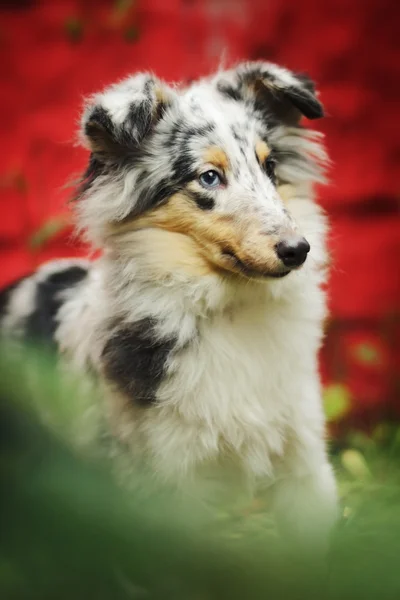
{"points": [[239, 392]]}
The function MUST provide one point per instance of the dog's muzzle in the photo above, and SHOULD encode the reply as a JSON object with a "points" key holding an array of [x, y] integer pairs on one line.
{"points": [[263, 260]]}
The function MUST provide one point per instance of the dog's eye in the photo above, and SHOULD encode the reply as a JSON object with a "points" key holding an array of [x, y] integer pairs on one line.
{"points": [[269, 167], [210, 179]]}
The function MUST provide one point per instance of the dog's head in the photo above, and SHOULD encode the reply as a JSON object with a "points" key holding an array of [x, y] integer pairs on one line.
{"points": [[197, 172]]}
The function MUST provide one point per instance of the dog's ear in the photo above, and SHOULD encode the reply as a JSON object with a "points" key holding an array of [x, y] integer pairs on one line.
{"points": [[116, 121], [274, 90]]}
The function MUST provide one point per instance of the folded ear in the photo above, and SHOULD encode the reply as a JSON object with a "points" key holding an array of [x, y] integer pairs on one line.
{"points": [[273, 89], [116, 121]]}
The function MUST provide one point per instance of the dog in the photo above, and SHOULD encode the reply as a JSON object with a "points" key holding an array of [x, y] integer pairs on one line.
{"points": [[203, 315]]}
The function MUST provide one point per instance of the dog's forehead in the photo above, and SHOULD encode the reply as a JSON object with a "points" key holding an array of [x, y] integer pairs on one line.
{"points": [[202, 104]]}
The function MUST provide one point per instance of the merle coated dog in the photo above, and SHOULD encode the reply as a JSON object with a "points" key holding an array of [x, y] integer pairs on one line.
{"points": [[203, 316]]}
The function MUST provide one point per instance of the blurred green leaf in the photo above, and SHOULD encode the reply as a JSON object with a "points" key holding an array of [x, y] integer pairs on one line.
{"points": [[337, 402], [74, 29], [48, 231], [132, 34], [123, 6], [366, 353], [355, 463]]}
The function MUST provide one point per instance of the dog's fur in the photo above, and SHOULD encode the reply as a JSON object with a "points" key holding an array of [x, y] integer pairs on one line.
{"points": [[205, 346]]}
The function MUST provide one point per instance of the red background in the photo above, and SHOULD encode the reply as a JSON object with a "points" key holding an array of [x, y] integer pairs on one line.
{"points": [[55, 51]]}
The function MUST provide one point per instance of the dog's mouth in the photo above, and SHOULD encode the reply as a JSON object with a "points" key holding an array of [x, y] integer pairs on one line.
{"points": [[232, 263]]}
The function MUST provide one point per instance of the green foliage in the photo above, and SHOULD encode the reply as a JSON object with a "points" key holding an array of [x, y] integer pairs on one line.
{"points": [[132, 34], [48, 231], [70, 530], [354, 462], [74, 29], [336, 402], [367, 353]]}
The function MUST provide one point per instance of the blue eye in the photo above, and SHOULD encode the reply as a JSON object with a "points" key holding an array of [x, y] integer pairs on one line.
{"points": [[210, 179]]}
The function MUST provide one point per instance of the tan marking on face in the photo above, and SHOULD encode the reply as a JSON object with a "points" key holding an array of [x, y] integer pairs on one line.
{"points": [[286, 191], [160, 251], [216, 156], [178, 252], [221, 242], [262, 151]]}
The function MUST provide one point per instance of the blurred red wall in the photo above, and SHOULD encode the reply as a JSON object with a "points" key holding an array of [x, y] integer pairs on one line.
{"points": [[54, 52]]}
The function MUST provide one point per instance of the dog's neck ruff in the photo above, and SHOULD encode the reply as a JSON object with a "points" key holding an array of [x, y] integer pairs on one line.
{"points": [[177, 301], [203, 365]]}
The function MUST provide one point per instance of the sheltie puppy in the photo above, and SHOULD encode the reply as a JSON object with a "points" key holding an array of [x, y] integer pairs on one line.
{"points": [[202, 318]]}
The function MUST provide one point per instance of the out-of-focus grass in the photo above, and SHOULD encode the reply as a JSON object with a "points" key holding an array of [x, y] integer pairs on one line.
{"points": [[68, 530]]}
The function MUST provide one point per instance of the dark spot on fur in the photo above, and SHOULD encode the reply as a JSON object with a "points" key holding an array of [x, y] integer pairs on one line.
{"points": [[181, 132], [306, 81], [173, 136], [154, 195], [94, 169], [269, 166], [5, 295], [237, 135], [138, 122], [243, 152], [182, 169], [305, 101], [135, 358], [106, 141], [115, 143], [274, 100], [229, 91], [99, 118], [202, 200], [161, 109], [41, 324]]}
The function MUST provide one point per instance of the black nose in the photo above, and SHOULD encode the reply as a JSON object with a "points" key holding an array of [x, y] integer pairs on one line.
{"points": [[292, 251]]}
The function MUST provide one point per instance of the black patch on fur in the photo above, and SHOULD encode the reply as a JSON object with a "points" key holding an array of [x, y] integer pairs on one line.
{"points": [[181, 132], [41, 324], [162, 191], [5, 295], [182, 169], [102, 134], [229, 91], [269, 166], [306, 81], [134, 359], [202, 200], [119, 143], [94, 169], [154, 196], [305, 101], [99, 117], [139, 120], [161, 109], [274, 100], [174, 135]]}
